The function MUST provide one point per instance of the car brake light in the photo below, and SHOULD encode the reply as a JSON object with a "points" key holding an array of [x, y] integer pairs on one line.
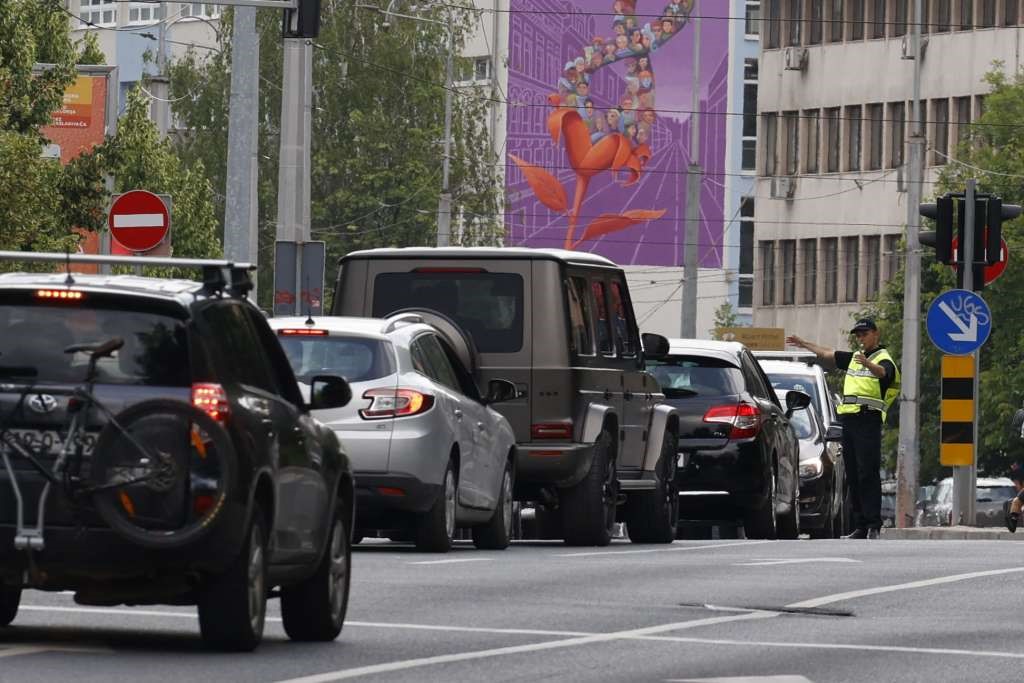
{"points": [[302, 332], [61, 294], [744, 418], [449, 270], [212, 400], [385, 403], [551, 430]]}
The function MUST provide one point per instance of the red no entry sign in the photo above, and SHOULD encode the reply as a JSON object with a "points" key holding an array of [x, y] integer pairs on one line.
{"points": [[138, 220], [992, 271]]}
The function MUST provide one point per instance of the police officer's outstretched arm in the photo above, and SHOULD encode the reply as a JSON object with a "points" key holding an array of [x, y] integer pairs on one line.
{"points": [[823, 353]]}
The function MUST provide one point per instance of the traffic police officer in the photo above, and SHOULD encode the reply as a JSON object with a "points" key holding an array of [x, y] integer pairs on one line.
{"points": [[871, 386]]}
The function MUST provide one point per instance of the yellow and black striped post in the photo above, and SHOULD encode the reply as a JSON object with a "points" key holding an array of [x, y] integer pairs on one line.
{"points": [[957, 429]]}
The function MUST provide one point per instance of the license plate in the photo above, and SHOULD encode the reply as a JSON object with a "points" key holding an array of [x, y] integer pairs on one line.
{"points": [[44, 442]]}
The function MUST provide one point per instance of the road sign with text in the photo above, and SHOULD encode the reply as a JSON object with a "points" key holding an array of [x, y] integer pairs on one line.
{"points": [[959, 322]]}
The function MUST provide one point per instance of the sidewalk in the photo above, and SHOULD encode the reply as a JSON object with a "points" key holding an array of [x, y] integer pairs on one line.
{"points": [[952, 533]]}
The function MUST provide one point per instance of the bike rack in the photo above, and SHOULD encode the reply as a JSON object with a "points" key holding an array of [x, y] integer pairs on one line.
{"points": [[26, 539]]}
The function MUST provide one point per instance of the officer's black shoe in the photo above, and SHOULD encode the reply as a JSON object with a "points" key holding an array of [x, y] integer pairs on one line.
{"points": [[858, 533], [872, 534]]}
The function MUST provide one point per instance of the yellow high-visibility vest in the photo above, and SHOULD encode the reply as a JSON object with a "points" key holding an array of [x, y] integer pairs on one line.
{"points": [[861, 388]]}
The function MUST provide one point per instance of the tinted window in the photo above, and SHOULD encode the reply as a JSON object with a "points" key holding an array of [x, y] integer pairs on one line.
{"points": [[995, 493], [580, 335], [357, 359], [621, 322], [35, 334], [438, 367], [600, 307], [235, 348], [682, 376], [804, 383], [489, 306]]}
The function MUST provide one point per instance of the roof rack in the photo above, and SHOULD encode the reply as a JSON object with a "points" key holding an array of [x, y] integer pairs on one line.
{"points": [[402, 318], [213, 276]]}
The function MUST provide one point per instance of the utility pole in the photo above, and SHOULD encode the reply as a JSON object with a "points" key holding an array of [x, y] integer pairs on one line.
{"points": [[160, 83], [241, 228], [444, 202], [691, 231], [908, 459]]}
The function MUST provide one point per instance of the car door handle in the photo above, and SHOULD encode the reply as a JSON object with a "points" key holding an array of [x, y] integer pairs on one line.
{"points": [[607, 395], [481, 426], [457, 413]]}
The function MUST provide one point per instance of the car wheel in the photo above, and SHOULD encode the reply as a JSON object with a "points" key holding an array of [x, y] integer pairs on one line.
{"points": [[588, 508], [761, 522], [314, 610], [789, 523], [10, 599], [233, 606], [436, 528], [497, 533], [653, 516]]}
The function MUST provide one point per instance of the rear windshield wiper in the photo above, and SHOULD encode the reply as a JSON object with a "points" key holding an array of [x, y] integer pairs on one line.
{"points": [[679, 393]]}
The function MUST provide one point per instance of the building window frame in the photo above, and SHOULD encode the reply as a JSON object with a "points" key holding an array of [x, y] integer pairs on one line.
{"points": [[748, 158], [897, 133], [101, 13], [834, 138], [746, 264], [812, 134], [830, 261], [855, 16], [851, 269], [770, 129], [854, 136], [872, 265], [752, 20], [876, 137], [791, 130], [940, 131], [816, 22], [767, 272], [787, 249], [809, 267]]}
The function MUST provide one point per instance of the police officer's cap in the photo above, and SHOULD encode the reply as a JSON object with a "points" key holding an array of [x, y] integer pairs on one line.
{"points": [[864, 325]]}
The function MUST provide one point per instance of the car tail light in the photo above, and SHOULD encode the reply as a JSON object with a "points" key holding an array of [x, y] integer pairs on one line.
{"points": [[745, 419], [61, 294], [212, 400], [551, 430], [449, 269], [386, 403], [302, 332]]}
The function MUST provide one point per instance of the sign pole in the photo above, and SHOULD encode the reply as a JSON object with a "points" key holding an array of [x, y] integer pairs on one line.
{"points": [[964, 476]]}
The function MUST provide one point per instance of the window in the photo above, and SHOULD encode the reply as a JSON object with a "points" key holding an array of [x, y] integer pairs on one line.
{"points": [[891, 256], [853, 126], [897, 137], [966, 15], [792, 126], [875, 138], [749, 161], [856, 9], [899, 27], [686, 376], [580, 317], [622, 323], [357, 359], [851, 267], [746, 290], [770, 125], [817, 22], [962, 131], [768, 273], [832, 127], [144, 14], [830, 253], [436, 363], [479, 69], [835, 32], [200, 9], [599, 304], [788, 248], [872, 266], [878, 18], [794, 21], [926, 14], [98, 12], [809, 267], [988, 13], [753, 19], [237, 352], [812, 119], [943, 16], [774, 23], [1010, 13], [940, 114]]}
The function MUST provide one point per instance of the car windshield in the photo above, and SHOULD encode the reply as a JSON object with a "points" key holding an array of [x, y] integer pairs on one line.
{"points": [[804, 383], [36, 333], [681, 376], [988, 494], [488, 306], [802, 424], [357, 359]]}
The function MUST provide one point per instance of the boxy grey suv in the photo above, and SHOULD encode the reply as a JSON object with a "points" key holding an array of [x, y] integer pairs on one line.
{"points": [[595, 442]]}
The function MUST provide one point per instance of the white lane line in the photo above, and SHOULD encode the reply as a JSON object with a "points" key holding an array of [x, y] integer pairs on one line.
{"points": [[798, 560], [468, 559], [850, 595], [744, 679], [343, 674], [26, 650], [472, 629], [674, 549], [38, 649]]}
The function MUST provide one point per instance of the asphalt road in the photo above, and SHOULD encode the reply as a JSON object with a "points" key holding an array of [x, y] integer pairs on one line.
{"points": [[779, 611]]}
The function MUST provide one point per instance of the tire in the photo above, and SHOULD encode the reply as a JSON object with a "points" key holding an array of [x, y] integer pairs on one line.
{"points": [[435, 529], [789, 524], [588, 508], [497, 533], [761, 522], [233, 606], [183, 494], [653, 516], [314, 610], [10, 599]]}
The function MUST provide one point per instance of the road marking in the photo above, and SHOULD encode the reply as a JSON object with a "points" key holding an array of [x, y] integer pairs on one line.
{"points": [[468, 559], [850, 595], [343, 674], [38, 649], [472, 629], [799, 560], [744, 679], [675, 549]]}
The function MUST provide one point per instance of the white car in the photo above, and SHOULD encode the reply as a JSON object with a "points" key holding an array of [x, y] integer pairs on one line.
{"points": [[427, 451]]}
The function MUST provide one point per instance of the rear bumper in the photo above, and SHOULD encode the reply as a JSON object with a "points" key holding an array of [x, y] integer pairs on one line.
{"points": [[382, 497], [736, 469], [561, 465]]}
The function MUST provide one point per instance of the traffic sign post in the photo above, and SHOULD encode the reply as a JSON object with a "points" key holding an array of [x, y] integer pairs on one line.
{"points": [[139, 220]]}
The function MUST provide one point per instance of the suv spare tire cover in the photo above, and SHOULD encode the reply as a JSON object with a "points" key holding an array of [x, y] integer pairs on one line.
{"points": [[461, 341]]}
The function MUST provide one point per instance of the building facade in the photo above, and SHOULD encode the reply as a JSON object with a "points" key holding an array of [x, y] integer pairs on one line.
{"points": [[834, 87]]}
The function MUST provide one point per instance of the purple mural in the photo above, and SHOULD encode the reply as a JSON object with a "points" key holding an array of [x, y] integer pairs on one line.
{"points": [[598, 135]]}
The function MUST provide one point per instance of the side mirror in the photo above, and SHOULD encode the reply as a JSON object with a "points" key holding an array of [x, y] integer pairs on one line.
{"points": [[655, 346], [329, 391], [500, 390], [834, 433], [796, 400]]}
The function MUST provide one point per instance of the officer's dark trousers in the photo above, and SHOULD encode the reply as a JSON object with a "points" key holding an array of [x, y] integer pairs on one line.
{"points": [[862, 454]]}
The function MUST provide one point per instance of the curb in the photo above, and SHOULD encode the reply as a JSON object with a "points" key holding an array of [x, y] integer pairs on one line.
{"points": [[950, 533]]}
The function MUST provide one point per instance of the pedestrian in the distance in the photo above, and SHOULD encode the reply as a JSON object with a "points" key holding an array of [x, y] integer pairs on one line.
{"points": [[871, 386]]}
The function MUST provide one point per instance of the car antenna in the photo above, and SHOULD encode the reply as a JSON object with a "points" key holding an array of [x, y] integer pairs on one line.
{"points": [[309, 306], [69, 280]]}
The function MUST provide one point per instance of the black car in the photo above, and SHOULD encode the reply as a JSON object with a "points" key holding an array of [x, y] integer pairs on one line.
{"points": [[286, 517], [738, 454]]}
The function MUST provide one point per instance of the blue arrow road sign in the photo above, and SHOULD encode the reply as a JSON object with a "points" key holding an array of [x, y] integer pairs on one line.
{"points": [[959, 322]]}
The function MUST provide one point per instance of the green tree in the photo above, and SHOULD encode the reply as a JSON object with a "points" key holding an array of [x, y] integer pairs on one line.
{"points": [[993, 152], [725, 316]]}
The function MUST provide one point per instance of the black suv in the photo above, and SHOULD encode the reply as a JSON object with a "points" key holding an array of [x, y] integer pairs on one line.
{"points": [[286, 516]]}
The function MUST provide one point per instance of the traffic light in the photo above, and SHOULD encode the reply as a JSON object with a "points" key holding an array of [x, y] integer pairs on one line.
{"points": [[942, 238], [303, 21], [997, 213]]}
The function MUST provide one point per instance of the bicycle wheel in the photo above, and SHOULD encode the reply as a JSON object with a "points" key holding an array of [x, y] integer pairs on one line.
{"points": [[161, 473]]}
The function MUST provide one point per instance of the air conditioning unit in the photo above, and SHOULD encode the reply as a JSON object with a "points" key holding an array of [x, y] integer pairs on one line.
{"points": [[907, 48], [783, 187], [794, 58]]}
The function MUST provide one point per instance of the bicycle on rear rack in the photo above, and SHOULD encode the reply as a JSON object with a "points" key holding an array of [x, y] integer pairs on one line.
{"points": [[158, 475]]}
